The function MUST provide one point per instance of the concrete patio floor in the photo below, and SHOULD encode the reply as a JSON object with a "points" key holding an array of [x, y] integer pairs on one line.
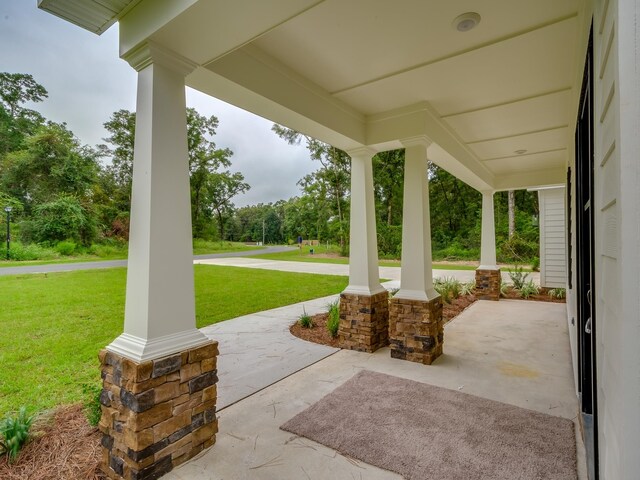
{"points": [[511, 351]]}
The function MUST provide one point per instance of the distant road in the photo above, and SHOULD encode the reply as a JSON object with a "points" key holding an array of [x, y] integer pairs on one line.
{"points": [[70, 267]]}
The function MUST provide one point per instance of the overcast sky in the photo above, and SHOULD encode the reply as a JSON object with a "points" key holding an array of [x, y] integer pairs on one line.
{"points": [[87, 82]]}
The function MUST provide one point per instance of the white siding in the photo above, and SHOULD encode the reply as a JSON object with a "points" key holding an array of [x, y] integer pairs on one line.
{"points": [[617, 231], [553, 250]]}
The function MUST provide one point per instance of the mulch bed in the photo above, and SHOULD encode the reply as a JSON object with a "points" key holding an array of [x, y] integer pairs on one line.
{"points": [[63, 447], [319, 334]]}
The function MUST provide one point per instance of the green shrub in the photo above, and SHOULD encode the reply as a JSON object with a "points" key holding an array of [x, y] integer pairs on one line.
{"points": [[468, 288], [66, 248], [305, 320], [14, 432], [518, 277], [535, 264], [504, 289], [333, 322], [448, 287], [61, 219], [529, 289], [32, 251], [92, 407], [518, 249], [558, 293]]}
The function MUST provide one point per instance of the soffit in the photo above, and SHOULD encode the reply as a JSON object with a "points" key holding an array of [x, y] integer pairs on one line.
{"points": [[93, 15]]}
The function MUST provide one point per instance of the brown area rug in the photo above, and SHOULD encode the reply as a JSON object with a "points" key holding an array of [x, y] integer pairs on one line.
{"points": [[424, 432]]}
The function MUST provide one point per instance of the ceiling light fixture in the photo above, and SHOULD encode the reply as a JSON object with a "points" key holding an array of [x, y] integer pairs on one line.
{"points": [[520, 152], [466, 21]]}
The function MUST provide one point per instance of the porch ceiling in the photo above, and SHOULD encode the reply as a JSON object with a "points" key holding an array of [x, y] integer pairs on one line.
{"points": [[498, 101]]}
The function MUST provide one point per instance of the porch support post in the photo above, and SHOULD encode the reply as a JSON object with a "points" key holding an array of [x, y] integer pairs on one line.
{"points": [[415, 313], [159, 376], [488, 276], [364, 313]]}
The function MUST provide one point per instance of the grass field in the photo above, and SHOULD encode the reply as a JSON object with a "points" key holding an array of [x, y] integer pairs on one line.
{"points": [[322, 254], [53, 325], [99, 253]]}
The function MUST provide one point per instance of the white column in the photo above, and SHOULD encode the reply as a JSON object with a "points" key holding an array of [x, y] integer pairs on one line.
{"points": [[417, 275], [160, 303], [488, 238], [363, 242]]}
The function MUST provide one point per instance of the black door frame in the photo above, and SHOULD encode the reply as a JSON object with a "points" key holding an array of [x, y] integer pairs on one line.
{"points": [[585, 272]]}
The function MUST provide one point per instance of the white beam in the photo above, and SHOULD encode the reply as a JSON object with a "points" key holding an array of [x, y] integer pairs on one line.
{"points": [[160, 303], [488, 234], [417, 275], [363, 243]]}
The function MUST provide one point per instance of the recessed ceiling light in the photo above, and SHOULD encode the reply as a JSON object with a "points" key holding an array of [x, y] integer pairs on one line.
{"points": [[521, 151], [466, 21]]}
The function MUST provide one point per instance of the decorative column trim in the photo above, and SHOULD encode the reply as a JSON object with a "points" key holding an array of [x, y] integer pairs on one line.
{"points": [[140, 350], [150, 52]]}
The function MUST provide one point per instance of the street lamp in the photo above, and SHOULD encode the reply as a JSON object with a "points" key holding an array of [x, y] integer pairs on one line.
{"points": [[8, 210]]}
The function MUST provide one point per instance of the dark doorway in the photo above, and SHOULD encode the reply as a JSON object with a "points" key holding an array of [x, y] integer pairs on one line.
{"points": [[585, 275]]}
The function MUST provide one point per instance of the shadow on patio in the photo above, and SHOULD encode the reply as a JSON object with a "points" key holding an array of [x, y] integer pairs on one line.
{"points": [[514, 352]]}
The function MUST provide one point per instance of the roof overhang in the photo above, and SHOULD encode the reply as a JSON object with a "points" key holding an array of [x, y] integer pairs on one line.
{"points": [[93, 15]]}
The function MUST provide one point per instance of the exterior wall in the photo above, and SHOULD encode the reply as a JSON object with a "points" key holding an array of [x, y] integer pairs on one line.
{"points": [[617, 232], [553, 246]]}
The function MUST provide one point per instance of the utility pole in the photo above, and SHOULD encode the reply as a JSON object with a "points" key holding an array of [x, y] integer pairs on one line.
{"points": [[263, 232]]}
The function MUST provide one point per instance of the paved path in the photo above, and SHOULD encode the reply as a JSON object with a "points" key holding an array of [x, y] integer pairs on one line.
{"points": [[70, 267], [389, 273]]}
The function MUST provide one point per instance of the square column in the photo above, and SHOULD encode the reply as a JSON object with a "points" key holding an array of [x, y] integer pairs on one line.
{"points": [[488, 276], [159, 376], [416, 329], [364, 314]]}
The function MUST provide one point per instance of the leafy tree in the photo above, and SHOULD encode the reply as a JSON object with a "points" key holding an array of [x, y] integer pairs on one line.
{"points": [[61, 219], [221, 187], [16, 121]]}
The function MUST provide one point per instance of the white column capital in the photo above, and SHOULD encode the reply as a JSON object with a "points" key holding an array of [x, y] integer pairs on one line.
{"points": [[365, 151], [417, 141], [150, 52]]}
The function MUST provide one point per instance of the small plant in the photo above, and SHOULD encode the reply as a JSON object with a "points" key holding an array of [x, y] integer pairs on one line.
{"points": [[535, 264], [468, 288], [518, 277], [448, 287], [92, 408], [505, 288], [333, 322], [558, 293], [305, 320], [14, 432], [529, 289], [66, 248]]}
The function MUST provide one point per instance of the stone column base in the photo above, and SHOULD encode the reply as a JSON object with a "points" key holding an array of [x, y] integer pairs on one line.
{"points": [[157, 414], [416, 329], [488, 284], [364, 321]]}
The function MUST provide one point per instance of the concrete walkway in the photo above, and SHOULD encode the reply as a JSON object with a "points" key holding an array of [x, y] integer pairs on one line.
{"points": [[511, 351], [389, 273]]}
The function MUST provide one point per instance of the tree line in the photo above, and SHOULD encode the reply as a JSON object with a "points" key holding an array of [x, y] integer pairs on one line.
{"points": [[61, 190]]}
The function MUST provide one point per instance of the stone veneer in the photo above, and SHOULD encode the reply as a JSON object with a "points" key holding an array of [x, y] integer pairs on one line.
{"points": [[157, 414], [488, 284], [364, 321], [416, 329]]}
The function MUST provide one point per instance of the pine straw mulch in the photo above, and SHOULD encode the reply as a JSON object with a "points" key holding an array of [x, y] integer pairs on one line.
{"points": [[63, 447], [319, 334]]}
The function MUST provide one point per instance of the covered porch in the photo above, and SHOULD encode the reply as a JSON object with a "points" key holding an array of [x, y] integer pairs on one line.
{"points": [[489, 96]]}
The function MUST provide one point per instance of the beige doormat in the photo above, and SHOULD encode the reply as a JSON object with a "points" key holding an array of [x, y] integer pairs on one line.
{"points": [[424, 432]]}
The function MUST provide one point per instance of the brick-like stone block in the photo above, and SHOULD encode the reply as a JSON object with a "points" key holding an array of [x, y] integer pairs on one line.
{"points": [[416, 329], [158, 414], [488, 284], [364, 321]]}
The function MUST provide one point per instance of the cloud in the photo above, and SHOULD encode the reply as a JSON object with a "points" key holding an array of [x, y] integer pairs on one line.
{"points": [[87, 82]]}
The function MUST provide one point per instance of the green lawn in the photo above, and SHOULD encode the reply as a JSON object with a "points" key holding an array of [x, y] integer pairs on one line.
{"points": [[323, 255], [102, 253], [53, 325]]}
